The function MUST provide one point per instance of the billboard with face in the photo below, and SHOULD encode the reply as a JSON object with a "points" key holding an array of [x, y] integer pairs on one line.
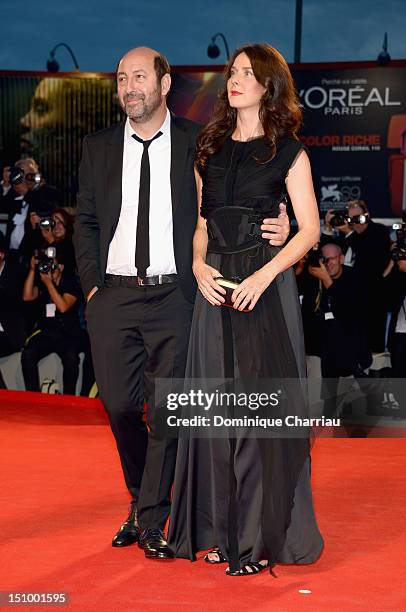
{"points": [[47, 117]]}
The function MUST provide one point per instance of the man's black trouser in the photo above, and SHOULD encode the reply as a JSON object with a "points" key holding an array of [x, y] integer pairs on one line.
{"points": [[398, 355], [41, 344], [6, 347], [139, 334]]}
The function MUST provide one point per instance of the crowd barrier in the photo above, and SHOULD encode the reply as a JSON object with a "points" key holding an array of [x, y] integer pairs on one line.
{"points": [[50, 369]]}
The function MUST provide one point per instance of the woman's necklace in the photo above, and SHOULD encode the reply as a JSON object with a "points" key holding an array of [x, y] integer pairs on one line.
{"points": [[252, 135]]}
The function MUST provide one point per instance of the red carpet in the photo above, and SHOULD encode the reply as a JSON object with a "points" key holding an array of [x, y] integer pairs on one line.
{"points": [[63, 498]]}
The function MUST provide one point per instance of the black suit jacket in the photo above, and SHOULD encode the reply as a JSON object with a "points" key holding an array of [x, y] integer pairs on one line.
{"points": [[344, 339], [395, 292], [42, 201], [11, 303], [99, 201], [372, 252]]}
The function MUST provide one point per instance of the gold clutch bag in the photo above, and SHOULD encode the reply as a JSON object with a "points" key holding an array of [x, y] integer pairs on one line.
{"points": [[229, 285]]}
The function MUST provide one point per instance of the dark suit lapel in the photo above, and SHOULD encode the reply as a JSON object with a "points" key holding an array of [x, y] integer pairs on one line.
{"points": [[179, 152], [114, 152]]}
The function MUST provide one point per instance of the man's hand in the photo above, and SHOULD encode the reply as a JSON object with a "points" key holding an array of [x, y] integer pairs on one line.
{"points": [[345, 228], [46, 278], [277, 230], [91, 294], [327, 220], [322, 274], [34, 219], [300, 265], [21, 189]]}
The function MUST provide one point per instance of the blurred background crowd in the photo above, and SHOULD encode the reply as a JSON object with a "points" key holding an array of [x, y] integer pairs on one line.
{"points": [[41, 302], [351, 286]]}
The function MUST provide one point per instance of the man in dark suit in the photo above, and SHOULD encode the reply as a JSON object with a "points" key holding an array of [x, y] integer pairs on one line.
{"points": [[395, 295], [343, 340], [25, 202], [367, 249], [12, 326], [137, 212], [344, 349]]}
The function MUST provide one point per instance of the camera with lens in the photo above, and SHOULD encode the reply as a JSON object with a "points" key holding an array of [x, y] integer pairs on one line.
{"points": [[46, 222], [18, 176], [360, 219], [399, 251], [46, 260], [340, 217], [314, 256]]}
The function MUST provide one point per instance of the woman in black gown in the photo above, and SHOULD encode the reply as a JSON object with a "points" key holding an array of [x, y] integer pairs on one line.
{"points": [[249, 497]]}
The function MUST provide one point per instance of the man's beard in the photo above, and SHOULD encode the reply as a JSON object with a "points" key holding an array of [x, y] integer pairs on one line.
{"points": [[146, 107]]}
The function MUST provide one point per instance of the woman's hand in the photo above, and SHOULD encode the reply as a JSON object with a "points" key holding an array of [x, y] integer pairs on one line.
{"points": [[47, 235], [34, 220], [208, 287], [251, 289]]}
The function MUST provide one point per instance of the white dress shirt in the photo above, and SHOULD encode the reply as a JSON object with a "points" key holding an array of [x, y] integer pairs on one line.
{"points": [[19, 219], [401, 322], [5, 188], [121, 255]]}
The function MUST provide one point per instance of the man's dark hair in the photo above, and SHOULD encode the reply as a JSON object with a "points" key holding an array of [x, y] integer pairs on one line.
{"points": [[161, 66]]}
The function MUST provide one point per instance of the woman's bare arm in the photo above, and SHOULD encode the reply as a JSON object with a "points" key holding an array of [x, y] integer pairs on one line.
{"points": [[204, 273]]}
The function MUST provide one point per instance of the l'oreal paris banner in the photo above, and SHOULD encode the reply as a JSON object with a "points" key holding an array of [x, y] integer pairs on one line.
{"points": [[355, 128]]}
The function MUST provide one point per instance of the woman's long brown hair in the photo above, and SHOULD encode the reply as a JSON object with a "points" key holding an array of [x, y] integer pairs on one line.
{"points": [[280, 113]]}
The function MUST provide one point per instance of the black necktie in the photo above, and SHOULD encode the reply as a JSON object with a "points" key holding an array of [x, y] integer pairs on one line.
{"points": [[142, 238]]}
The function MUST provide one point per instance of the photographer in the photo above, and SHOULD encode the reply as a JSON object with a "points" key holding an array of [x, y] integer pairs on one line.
{"points": [[343, 343], [25, 199], [367, 249], [12, 326], [309, 289], [395, 292], [58, 327], [57, 231]]}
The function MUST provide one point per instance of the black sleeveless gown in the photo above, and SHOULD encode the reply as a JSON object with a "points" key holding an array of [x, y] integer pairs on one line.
{"points": [[269, 493]]}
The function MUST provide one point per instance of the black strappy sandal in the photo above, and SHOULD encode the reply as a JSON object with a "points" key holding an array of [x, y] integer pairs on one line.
{"points": [[215, 551], [251, 568]]}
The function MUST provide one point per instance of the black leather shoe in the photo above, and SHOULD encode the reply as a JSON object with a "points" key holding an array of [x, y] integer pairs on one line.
{"points": [[129, 532], [153, 543]]}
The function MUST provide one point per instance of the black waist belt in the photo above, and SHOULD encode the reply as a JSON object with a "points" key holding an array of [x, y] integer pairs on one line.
{"points": [[115, 280], [233, 229]]}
